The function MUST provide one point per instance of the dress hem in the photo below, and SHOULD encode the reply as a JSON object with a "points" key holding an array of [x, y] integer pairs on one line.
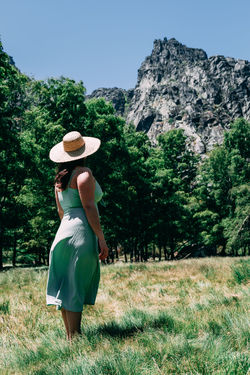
{"points": [[59, 305]]}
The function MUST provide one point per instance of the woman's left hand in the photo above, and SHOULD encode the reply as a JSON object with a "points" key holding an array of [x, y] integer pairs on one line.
{"points": [[104, 249]]}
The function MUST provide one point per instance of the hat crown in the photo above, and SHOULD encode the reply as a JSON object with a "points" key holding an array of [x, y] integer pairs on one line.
{"points": [[72, 141]]}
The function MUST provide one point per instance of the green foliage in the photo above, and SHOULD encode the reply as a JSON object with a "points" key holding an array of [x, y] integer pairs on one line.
{"points": [[63, 99], [172, 169], [12, 106], [236, 225], [222, 190], [238, 138], [5, 307], [155, 198], [241, 271]]}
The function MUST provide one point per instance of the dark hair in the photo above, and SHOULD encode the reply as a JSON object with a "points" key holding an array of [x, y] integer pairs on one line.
{"points": [[64, 171]]}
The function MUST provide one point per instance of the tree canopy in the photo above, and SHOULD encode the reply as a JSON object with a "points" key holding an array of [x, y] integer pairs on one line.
{"points": [[161, 198]]}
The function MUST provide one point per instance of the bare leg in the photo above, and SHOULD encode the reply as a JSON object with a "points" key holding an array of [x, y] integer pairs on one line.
{"points": [[64, 316], [74, 323]]}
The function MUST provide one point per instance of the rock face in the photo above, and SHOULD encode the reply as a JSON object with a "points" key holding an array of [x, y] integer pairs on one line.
{"points": [[180, 87], [118, 97]]}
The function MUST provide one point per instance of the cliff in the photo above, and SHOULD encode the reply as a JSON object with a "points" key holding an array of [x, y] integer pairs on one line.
{"points": [[180, 87]]}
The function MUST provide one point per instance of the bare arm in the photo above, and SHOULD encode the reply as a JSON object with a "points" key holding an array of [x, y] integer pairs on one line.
{"points": [[86, 188], [59, 207]]}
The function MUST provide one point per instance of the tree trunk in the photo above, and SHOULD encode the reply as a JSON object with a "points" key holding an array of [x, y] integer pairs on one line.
{"points": [[1, 256], [43, 257], [165, 252], [136, 251], [172, 248], [14, 251], [146, 253], [116, 252], [159, 253], [112, 255], [153, 252], [39, 256], [1, 249], [142, 256], [131, 253], [244, 251], [47, 258], [125, 255], [223, 251]]}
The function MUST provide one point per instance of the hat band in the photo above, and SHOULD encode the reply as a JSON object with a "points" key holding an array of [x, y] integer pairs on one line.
{"points": [[73, 145]]}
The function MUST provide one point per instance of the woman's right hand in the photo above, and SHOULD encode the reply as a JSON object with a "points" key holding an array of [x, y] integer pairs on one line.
{"points": [[104, 249]]}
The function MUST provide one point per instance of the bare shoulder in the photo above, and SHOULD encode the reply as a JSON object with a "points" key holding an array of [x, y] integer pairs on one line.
{"points": [[83, 169], [85, 175]]}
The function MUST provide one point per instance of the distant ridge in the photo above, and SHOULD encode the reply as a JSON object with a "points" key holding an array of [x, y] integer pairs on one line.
{"points": [[180, 87]]}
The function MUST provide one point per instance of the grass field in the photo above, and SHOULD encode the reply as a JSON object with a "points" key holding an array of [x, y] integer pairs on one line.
{"points": [[180, 317]]}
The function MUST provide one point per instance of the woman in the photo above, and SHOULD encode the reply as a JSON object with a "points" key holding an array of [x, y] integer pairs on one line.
{"points": [[74, 268]]}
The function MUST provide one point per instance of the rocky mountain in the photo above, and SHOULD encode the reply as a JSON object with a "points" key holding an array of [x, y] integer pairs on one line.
{"points": [[180, 87]]}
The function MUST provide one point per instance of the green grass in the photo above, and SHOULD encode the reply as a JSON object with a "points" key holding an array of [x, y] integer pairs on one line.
{"points": [[241, 272], [182, 317]]}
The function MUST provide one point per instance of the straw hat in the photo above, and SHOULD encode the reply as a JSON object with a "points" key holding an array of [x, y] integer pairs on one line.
{"points": [[73, 147]]}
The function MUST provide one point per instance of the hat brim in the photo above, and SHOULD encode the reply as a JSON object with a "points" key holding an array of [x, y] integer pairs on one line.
{"points": [[58, 155]]}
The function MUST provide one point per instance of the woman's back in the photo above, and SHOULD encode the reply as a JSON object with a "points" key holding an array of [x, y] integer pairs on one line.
{"points": [[70, 198], [74, 258]]}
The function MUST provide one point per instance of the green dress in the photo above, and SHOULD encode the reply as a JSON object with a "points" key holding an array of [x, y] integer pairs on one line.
{"points": [[74, 268]]}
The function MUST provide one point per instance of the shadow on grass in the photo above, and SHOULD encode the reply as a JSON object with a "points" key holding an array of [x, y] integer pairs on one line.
{"points": [[131, 323]]}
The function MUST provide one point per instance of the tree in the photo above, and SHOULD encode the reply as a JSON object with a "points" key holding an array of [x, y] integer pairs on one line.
{"points": [[222, 176], [120, 166], [236, 226], [12, 106], [173, 169], [55, 108]]}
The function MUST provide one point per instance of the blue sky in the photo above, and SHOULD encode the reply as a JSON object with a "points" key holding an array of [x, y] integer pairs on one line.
{"points": [[103, 43]]}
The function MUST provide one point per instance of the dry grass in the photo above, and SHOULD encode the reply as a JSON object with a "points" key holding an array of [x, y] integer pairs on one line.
{"points": [[180, 317]]}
